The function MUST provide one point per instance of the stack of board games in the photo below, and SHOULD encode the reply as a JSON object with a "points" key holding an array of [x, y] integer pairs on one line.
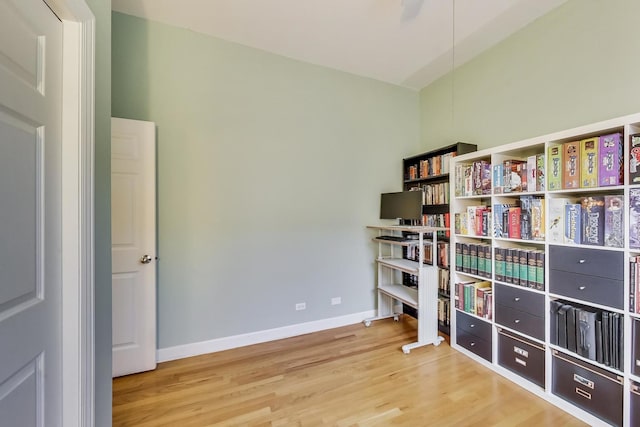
{"points": [[591, 162]]}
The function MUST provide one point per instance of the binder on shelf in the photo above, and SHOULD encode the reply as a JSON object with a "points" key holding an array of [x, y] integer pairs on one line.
{"points": [[571, 329], [586, 329]]}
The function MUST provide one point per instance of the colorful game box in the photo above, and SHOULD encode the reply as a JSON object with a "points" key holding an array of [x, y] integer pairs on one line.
{"points": [[610, 164], [572, 225], [592, 220], [614, 221], [571, 161], [634, 159], [589, 158], [554, 168], [556, 219], [634, 218], [540, 163]]}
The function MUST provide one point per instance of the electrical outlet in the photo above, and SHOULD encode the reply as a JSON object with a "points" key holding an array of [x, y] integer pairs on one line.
{"points": [[336, 300], [301, 306]]}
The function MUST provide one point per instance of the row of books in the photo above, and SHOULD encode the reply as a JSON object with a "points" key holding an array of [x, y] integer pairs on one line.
{"points": [[589, 332], [523, 219], [588, 163], [474, 221], [444, 314], [593, 220], [475, 298], [434, 194], [438, 220], [474, 258], [519, 175], [519, 266], [442, 256], [433, 166]]}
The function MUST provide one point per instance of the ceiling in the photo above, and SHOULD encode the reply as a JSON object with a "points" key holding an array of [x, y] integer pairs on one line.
{"points": [[404, 42]]}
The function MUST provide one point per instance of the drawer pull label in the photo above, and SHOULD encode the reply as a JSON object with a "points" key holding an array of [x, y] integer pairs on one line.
{"points": [[522, 352], [521, 362], [583, 393], [582, 380]]}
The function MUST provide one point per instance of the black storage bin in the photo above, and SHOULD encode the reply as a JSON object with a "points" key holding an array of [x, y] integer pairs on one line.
{"points": [[522, 356], [596, 390]]}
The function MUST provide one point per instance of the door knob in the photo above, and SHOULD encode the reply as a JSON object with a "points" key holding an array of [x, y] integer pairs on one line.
{"points": [[146, 259]]}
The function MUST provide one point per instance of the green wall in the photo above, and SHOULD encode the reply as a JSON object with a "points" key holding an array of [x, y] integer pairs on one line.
{"points": [[102, 206], [268, 171], [573, 66]]}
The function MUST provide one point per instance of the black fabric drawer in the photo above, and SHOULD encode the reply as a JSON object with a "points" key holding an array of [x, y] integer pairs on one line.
{"points": [[520, 299], [522, 356], [521, 321], [594, 289], [473, 325], [634, 404], [589, 387], [592, 262], [474, 344], [635, 347]]}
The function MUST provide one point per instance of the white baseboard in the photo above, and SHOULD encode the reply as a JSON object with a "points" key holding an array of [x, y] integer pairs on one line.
{"points": [[226, 343]]}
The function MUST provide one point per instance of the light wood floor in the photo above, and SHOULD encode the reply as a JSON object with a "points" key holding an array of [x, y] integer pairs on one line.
{"points": [[349, 376]]}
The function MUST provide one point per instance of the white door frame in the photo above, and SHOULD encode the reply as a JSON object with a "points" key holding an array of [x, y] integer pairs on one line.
{"points": [[77, 211]]}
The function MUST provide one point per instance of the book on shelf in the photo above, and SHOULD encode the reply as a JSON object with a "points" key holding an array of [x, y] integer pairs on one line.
{"points": [[499, 256], [539, 284]]}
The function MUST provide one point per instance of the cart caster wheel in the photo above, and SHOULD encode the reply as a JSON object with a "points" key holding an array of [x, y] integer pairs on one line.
{"points": [[406, 350], [396, 318], [367, 323], [437, 343]]}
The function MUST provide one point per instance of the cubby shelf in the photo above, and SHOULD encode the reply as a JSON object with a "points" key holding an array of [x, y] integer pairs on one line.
{"points": [[531, 338]]}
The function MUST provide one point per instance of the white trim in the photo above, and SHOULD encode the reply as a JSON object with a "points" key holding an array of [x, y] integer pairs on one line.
{"points": [[77, 212], [226, 343]]}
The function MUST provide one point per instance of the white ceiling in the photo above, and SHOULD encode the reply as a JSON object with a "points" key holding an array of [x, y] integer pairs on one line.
{"points": [[404, 42]]}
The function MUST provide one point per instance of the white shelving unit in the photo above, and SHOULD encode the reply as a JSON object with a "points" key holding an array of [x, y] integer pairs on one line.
{"points": [[526, 335], [391, 291]]}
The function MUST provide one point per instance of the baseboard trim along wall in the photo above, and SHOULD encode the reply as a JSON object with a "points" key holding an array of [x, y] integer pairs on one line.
{"points": [[227, 343]]}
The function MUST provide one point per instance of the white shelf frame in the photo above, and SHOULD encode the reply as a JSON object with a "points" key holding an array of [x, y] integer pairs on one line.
{"points": [[425, 298], [628, 125]]}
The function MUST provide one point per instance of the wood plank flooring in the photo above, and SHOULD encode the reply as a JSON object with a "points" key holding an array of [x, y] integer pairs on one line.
{"points": [[349, 376]]}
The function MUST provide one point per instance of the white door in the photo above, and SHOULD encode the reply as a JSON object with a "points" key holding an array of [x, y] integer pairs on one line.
{"points": [[30, 214], [133, 239]]}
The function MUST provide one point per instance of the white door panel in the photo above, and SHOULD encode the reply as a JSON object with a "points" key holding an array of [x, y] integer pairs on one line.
{"points": [[30, 214], [133, 230]]}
